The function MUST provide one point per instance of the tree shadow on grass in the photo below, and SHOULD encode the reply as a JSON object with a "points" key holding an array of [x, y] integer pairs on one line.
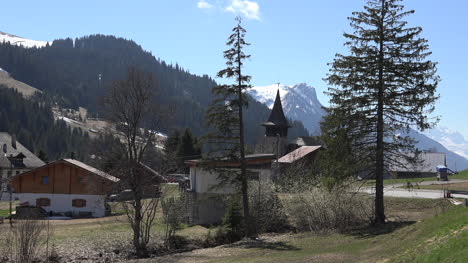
{"points": [[264, 244], [377, 230]]}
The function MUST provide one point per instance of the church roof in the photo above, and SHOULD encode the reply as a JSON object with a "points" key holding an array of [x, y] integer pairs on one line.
{"points": [[277, 117]]}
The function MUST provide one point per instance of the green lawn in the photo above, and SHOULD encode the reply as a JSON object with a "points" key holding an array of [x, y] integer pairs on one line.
{"points": [[424, 235], [4, 212], [4, 208]]}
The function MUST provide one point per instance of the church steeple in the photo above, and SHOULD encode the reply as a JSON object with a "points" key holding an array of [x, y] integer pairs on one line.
{"points": [[277, 124]]}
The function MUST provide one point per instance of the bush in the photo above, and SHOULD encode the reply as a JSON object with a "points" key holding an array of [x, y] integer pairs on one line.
{"points": [[321, 210], [233, 222], [266, 208], [22, 241], [174, 215]]}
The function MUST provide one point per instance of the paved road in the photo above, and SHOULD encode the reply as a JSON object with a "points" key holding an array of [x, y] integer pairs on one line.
{"points": [[395, 190]]}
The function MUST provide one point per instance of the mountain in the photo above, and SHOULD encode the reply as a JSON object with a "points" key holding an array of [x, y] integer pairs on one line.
{"points": [[7, 81], [450, 139], [16, 40], [299, 103], [455, 161], [76, 73]]}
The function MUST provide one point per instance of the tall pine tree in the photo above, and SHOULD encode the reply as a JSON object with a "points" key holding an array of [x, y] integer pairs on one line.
{"points": [[386, 85], [226, 115]]}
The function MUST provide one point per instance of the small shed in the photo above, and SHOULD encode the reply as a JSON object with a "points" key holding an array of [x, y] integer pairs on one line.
{"points": [[65, 186]]}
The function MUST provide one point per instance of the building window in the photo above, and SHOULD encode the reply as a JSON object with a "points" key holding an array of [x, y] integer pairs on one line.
{"points": [[79, 203], [45, 180], [41, 202]]}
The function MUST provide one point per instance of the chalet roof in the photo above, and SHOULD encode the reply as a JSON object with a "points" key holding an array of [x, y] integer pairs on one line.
{"points": [[427, 163], [79, 165], [298, 154], [154, 173], [90, 169], [29, 159], [277, 117]]}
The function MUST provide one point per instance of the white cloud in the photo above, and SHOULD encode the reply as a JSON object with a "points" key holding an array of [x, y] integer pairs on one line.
{"points": [[202, 4], [249, 9]]}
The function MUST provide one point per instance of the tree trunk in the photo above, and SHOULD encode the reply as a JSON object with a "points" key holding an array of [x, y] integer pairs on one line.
{"points": [[244, 183], [379, 167]]}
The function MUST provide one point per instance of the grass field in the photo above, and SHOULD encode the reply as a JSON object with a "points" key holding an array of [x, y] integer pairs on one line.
{"points": [[429, 231], [420, 230]]}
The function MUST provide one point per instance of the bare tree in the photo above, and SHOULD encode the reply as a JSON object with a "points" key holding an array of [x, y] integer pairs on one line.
{"points": [[129, 104]]}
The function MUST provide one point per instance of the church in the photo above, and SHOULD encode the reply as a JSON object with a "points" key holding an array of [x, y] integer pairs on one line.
{"points": [[273, 154]]}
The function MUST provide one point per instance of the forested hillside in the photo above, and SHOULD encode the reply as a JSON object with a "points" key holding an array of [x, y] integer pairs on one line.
{"points": [[32, 122], [68, 72]]}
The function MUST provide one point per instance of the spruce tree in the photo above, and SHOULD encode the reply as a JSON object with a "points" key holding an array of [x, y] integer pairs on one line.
{"points": [[385, 86], [225, 114]]}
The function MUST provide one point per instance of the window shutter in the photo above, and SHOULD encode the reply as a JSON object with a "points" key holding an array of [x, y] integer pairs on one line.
{"points": [[79, 203], [40, 202]]}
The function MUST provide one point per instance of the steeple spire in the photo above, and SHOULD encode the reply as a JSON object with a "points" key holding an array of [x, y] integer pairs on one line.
{"points": [[277, 124]]}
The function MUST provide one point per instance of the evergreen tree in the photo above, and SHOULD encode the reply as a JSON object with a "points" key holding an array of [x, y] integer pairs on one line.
{"points": [[171, 143], [43, 156], [226, 115], [385, 85], [188, 148]]}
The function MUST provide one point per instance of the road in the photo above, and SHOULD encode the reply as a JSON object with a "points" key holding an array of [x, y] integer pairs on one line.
{"points": [[395, 190]]}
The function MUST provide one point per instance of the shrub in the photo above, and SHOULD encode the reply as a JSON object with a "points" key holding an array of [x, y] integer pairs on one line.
{"points": [[321, 210], [266, 208], [174, 215], [22, 241], [233, 221]]}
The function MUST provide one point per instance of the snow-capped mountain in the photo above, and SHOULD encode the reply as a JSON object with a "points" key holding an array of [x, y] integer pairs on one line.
{"points": [[452, 140], [455, 161], [16, 40], [299, 102]]}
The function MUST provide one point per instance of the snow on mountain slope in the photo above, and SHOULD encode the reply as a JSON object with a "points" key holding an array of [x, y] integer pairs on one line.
{"points": [[455, 161], [7, 81], [16, 40], [299, 102], [450, 139]]}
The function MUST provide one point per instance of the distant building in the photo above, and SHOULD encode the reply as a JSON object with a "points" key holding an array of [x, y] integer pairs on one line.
{"points": [[426, 165], [14, 159], [65, 186], [206, 190]]}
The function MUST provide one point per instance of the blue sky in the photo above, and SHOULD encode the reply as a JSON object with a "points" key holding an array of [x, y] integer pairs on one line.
{"points": [[292, 41]]}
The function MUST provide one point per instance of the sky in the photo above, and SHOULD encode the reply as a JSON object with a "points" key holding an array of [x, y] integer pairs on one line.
{"points": [[291, 41]]}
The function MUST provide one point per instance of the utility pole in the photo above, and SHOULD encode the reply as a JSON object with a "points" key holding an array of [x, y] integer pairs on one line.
{"points": [[10, 192]]}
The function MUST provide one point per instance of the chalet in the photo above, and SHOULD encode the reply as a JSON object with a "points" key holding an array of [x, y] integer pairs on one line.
{"points": [[14, 159], [207, 191], [65, 186]]}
